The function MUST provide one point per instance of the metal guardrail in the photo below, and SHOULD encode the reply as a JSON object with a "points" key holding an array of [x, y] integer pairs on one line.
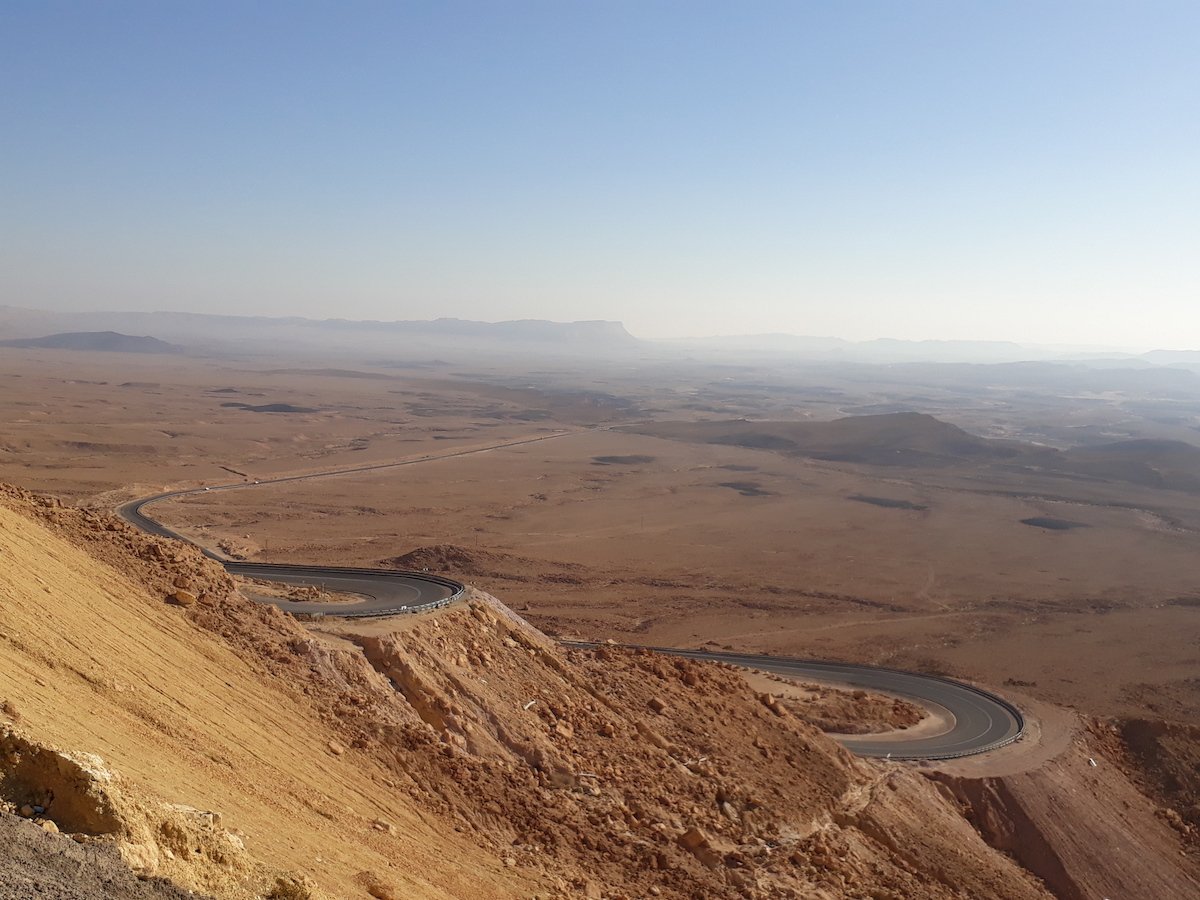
{"points": [[392, 610]]}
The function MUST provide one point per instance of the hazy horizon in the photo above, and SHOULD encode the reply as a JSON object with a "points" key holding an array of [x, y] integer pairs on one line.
{"points": [[1017, 173], [746, 338]]}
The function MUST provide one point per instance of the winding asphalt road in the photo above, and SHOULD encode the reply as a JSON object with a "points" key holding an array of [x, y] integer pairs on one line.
{"points": [[979, 721], [378, 592]]}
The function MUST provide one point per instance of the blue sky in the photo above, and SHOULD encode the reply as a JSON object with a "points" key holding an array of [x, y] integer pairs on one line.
{"points": [[1020, 171]]}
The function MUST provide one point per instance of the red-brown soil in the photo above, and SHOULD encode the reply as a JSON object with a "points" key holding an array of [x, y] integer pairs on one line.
{"points": [[1163, 759], [607, 773], [1082, 826], [660, 553], [603, 534], [850, 711]]}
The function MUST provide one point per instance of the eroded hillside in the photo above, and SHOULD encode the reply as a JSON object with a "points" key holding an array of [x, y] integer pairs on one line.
{"points": [[149, 706], [179, 712]]}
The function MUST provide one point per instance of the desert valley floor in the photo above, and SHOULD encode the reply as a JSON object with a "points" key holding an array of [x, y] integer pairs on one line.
{"points": [[672, 504]]}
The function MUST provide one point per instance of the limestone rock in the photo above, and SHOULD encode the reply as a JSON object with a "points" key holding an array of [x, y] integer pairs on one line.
{"points": [[384, 826], [375, 885], [697, 843], [183, 598]]}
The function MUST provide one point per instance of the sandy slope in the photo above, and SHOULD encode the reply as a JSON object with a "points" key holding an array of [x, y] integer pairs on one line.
{"points": [[93, 662], [417, 754]]}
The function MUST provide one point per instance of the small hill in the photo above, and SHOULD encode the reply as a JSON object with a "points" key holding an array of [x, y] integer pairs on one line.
{"points": [[893, 439], [919, 440], [475, 563], [103, 341]]}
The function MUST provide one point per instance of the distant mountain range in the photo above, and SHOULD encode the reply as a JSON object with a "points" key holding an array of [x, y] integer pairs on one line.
{"points": [[415, 339], [105, 341], [401, 339], [521, 329]]}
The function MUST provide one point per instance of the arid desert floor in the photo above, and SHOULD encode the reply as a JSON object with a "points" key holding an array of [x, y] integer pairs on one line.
{"points": [[594, 530]]}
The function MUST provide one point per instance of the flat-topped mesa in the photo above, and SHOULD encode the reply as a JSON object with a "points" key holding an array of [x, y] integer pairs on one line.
{"points": [[603, 331]]}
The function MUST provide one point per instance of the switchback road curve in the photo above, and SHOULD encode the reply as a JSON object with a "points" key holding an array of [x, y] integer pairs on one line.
{"points": [[378, 592], [976, 720]]}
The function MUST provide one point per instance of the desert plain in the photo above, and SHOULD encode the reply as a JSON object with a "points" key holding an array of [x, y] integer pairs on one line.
{"points": [[596, 498], [1030, 528]]}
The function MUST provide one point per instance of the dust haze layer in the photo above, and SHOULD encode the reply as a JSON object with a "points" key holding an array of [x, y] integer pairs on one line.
{"points": [[594, 339]]}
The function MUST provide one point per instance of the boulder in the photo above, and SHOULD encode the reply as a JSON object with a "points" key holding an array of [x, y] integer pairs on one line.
{"points": [[377, 887], [183, 598], [696, 843]]}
